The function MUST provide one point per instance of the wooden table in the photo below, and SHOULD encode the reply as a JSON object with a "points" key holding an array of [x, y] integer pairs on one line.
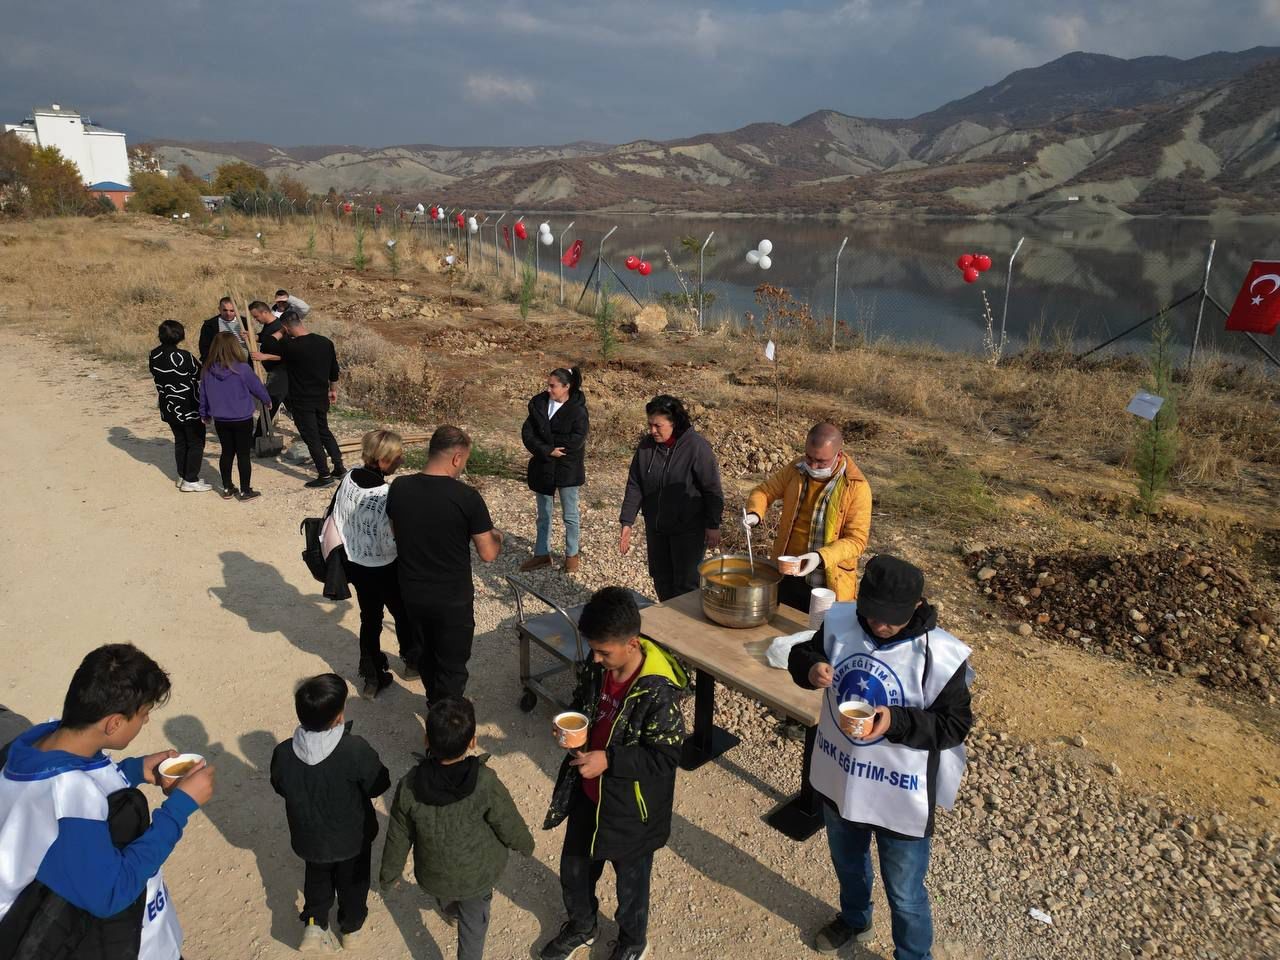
{"points": [[736, 658]]}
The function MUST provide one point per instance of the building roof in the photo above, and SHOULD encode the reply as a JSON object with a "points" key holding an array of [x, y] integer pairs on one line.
{"points": [[110, 186], [58, 109]]}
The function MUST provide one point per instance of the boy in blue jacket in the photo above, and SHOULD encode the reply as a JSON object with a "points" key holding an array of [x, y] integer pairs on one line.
{"points": [[63, 807]]}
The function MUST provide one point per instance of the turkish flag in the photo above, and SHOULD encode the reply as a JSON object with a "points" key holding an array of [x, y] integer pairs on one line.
{"points": [[1257, 308], [573, 254]]}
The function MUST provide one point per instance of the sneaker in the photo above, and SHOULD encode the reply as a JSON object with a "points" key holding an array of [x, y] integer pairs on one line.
{"points": [[837, 933], [534, 562], [571, 564], [566, 943], [318, 482], [228, 492], [409, 671], [194, 486], [249, 495], [353, 940], [317, 940], [179, 482], [339, 472], [632, 952], [371, 687]]}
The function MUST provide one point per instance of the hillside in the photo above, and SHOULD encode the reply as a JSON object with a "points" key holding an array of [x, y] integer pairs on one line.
{"points": [[1083, 134]]}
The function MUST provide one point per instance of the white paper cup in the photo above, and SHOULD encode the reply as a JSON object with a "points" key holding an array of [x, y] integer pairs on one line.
{"points": [[183, 762], [856, 717], [788, 566], [820, 601], [574, 735]]}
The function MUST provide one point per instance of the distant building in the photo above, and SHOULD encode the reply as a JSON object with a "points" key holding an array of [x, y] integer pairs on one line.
{"points": [[117, 193], [100, 154]]}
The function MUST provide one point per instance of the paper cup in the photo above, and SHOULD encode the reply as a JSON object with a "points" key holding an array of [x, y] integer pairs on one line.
{"points": [[571, 729], [820, 601], [855, 717], [175, 768], [788, 566]]}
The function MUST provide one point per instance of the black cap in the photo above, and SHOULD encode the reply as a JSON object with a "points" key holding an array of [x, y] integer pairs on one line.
{"points": [[890, 590]]}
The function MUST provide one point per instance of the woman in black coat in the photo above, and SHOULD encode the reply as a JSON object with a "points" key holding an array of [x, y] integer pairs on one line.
{"points": [[555, 433]]}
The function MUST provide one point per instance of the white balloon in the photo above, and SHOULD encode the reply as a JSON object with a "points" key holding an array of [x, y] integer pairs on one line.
{"points": [[544, 228], [450, 259], [420, 208], [547, 239], [471, 221], [753, 257], [765, 247], [473, 227], [765, 262]]}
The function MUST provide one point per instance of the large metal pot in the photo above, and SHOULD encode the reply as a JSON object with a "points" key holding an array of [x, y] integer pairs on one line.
{"points": [[733, 596]]}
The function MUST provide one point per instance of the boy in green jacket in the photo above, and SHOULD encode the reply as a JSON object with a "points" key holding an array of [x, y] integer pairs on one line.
{"points": [[460, 821]]}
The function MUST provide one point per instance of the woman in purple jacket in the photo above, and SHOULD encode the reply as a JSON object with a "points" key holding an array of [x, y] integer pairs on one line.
{"points": [[228, 387]]}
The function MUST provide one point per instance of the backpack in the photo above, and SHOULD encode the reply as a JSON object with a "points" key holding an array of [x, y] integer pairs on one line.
{"points": [[330, 571]]}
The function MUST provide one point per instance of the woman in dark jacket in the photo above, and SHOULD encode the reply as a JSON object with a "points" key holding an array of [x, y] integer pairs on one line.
{"points": [[555, 433], [675, 482]]}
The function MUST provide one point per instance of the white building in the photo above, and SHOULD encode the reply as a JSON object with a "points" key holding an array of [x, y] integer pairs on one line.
{"points": [[101, 154]]}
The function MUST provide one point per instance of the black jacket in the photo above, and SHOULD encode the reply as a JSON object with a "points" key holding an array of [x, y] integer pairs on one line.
{"points": [[941, 726], [209, 330], [568, 429], [177, 378], [637, 790], [676, 488], [328, 803]]}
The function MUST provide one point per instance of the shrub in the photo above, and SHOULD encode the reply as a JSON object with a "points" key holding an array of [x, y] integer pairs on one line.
{"points": [[165, 196], [239, 177]]}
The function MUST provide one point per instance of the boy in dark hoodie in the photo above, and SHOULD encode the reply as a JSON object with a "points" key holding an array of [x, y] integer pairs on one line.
{"points": [[617, 793], [460, 822], [328, 777]]}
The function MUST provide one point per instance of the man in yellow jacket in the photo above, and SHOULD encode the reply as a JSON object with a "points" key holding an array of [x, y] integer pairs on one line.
{"points": [[826, 517]]}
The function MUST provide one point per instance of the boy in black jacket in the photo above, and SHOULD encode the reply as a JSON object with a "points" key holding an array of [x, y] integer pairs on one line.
{"points": [[617, 793], [882, 777], [327, 777], [177, 377]]}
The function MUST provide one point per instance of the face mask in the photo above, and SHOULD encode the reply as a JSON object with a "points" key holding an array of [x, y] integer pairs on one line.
{"points": [[817, 474]]}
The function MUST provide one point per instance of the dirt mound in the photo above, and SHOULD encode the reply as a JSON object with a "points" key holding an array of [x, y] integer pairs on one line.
{"points": [[1176, 610]]}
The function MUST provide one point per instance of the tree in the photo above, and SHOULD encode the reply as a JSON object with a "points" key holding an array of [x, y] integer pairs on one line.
{"points": [[165, 196], [187, 175], [239, 177], [291, 188], [15, 162], [54, 185]]}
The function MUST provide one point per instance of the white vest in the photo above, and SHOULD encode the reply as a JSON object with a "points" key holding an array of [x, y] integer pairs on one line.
{"points": [[360, 516], [878, 782]]}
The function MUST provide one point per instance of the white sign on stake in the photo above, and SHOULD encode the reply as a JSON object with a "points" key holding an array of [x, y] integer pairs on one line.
{"points": [[769, 351], [1145, 405]]}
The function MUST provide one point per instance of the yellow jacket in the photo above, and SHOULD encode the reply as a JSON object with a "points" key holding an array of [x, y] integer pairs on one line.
{"points": [[848, 522]]}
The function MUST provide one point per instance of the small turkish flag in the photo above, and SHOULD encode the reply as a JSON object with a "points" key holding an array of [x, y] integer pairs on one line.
{"points": [[573, 255], [1257, 308]]}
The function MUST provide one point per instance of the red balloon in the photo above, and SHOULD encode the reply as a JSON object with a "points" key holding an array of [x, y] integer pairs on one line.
{"points": [[632, 262], [645, 268], [433, 211], [378, 209], [460, 220], [971, 275], [965, 261], [346, 208], [982, 262], [521, 232]]}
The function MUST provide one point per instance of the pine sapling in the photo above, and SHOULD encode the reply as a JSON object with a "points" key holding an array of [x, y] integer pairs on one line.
{"points": [[1156, 443]]}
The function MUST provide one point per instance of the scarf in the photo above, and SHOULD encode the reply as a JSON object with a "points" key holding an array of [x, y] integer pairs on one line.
{"points": [[822, 529]]}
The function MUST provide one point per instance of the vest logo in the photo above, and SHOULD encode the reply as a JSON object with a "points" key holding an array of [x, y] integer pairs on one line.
{"points": [[156, 905], [863, 677]]}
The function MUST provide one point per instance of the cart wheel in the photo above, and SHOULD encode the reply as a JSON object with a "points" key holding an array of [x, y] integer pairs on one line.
{"points": [[528, 700]]}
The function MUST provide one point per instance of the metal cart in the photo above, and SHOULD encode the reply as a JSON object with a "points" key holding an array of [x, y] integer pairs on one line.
{"points": [[556, 632]]}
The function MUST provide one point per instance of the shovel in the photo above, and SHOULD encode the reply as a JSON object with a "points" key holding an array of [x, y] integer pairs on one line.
{"points": [[270, 444]]}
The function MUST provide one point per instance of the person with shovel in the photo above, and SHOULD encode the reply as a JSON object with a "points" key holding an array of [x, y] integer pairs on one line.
{"points": [[270, 334]]}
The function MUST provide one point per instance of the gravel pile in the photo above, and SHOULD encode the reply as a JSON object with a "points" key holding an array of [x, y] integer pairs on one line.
{"points": [[1177, 610]]}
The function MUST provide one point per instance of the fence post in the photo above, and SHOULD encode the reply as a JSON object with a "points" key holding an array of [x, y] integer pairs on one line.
{"points": [[497, 251], [835, 295], [562, 233], [1008, 282], [600, 262], [515, 251], [701, 251], [480, 238], [1204, 292]]}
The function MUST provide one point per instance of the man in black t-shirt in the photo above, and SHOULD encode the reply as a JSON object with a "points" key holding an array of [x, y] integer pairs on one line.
{"points": [[270, 334], [312, 365], [436, 518]]}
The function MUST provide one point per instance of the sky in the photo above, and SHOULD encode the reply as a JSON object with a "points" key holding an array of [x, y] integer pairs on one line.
{"points": [[494, 72]]}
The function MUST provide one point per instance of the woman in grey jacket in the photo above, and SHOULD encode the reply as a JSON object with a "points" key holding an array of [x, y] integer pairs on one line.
{"points": [[675, 482]]}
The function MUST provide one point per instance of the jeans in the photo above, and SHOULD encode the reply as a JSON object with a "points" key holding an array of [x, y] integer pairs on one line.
{"points": [[313, 427], [442, 636], [579, 874], [473, 923], [188, 447], [376, 588], [572, 521], [674, 559], [236, 437], [903, 865], [348, 880]]}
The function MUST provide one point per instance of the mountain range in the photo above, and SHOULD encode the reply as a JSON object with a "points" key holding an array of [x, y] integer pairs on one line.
{"points": [[1084, 134]]}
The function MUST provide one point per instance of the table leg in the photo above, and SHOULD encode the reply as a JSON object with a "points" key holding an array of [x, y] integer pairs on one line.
{"points": [[800, 817], [707, 740]]}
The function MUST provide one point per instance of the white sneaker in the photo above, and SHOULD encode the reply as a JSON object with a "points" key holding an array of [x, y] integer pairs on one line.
{"points": [[179, 482], [318, 940], [194, 486]]}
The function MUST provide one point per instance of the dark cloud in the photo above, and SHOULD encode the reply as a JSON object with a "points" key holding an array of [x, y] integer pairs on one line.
{"points": [[377, 72]]}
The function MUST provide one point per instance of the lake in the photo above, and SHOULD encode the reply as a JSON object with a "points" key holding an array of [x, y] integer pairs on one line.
{"points": [[1072, 282]]}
